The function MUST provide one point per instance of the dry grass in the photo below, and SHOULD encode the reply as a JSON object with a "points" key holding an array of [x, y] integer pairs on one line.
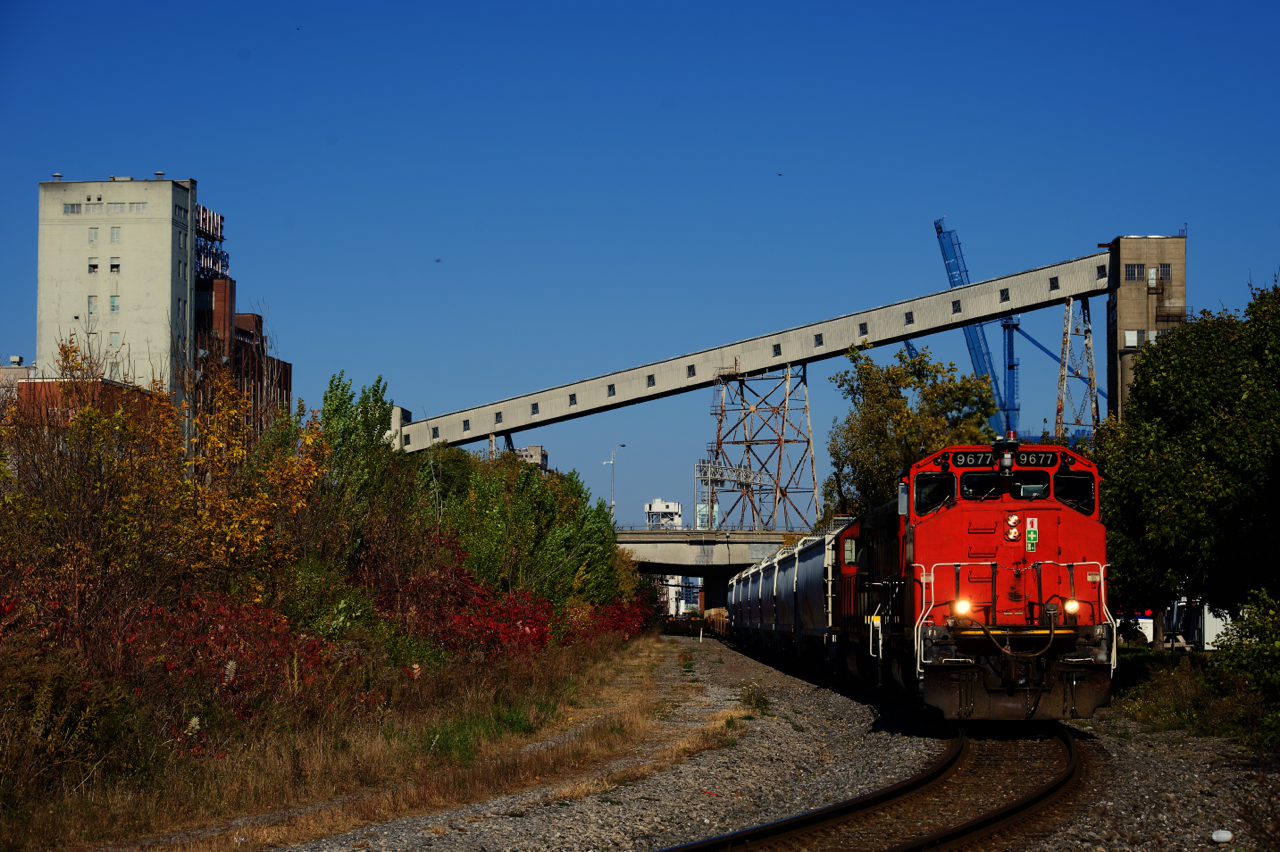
{"points": [[587, 704]]}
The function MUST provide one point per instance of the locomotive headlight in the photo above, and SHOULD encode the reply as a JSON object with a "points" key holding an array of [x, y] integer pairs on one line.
{"points": [[1012, 533], [1072, 607], [1013, 520], [960, 607]]}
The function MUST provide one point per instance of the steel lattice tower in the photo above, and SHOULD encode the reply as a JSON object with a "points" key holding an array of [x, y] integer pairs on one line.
{"points": [[1076, 361], [760, 473]]}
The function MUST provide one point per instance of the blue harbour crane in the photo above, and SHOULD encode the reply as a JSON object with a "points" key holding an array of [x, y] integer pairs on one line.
{"points": [[1008, 408], [975, 336]]}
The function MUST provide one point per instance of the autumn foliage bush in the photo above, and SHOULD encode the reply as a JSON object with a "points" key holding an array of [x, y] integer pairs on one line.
{"points": [[181, 570]]}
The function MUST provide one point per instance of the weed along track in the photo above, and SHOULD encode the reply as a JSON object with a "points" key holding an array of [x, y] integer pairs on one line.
{"points": [[986, 780]]}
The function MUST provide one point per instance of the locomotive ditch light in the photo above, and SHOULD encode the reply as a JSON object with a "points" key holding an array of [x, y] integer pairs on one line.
{"points": [[1013, 520], [960, 607], [1071, 606], [1012, 533]]}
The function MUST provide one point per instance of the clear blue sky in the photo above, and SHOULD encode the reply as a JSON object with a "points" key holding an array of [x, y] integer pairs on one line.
{"points": [[599, 180]]}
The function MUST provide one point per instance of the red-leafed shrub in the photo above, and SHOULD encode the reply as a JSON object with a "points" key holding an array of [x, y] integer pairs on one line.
{"points": [[460, 614], [212, 651], [628, 618]]}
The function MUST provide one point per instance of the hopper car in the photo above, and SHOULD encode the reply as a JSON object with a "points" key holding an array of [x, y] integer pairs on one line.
{"points": [[980, 592]]}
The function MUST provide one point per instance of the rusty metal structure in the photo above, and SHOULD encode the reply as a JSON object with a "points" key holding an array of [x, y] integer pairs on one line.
{"points": [[1077, 362], [760, 472]]}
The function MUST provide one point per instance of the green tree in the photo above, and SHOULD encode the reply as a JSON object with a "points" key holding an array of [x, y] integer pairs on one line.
{"points": [[896, 410], [1191, 471], [523, 529]]}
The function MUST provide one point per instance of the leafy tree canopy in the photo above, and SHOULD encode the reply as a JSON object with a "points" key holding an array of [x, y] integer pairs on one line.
{"points": [[895, 411], [1192, 469]]}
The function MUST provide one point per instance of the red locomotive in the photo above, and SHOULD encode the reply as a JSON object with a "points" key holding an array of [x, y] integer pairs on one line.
{"points": [[981, 590]]}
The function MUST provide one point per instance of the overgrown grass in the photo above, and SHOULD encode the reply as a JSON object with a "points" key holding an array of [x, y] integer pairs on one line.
{"points": [[451, 735], [755, 698], [1187, 691]]}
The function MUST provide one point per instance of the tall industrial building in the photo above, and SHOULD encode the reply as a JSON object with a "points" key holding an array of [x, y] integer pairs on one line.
{"points": [[116, 262], [134, 271], [1148, 298]]}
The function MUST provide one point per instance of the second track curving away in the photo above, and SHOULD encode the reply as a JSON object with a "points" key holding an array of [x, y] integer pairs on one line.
{"points": [[983, 782]]}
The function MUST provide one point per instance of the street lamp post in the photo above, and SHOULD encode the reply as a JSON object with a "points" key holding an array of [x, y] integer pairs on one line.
{"points": [[613, 457]]}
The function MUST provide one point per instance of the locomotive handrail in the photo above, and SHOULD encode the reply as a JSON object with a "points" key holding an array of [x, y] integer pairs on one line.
{"points": [[1106, 612], [918, 632]]}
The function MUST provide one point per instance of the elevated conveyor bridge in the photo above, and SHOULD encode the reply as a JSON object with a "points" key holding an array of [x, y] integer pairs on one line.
{"points": [[894, 323]]}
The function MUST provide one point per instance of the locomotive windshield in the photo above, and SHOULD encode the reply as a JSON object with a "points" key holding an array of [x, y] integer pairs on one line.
{"points": [[989, 485], [932, 490], [1075, 489]]}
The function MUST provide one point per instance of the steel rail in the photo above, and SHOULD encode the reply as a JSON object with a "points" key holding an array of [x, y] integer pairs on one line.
{"points": [[839, 812], [938, 841], [1018, 809]]}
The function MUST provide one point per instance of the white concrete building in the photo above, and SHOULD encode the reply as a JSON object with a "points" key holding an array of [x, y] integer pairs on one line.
{"points": [[662, 515], [115, 271]]}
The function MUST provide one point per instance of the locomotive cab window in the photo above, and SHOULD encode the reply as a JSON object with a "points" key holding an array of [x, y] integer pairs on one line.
{"points": [[1029, 485], [980, 485], [1075, 489], [932, 490]]}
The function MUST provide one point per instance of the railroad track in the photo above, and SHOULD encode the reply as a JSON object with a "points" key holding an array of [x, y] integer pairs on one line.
{"points": [[983, 782]]}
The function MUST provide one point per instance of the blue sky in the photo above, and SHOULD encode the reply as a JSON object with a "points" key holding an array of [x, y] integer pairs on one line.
{"points": [[599, 181]]}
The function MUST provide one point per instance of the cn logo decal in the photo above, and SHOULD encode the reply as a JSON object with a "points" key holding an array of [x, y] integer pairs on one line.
{"points": [[1033, 534]]}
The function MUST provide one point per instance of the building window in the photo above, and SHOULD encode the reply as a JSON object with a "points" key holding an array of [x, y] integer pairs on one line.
{"points": [[116, 207], [611, 390], [497, 418], [115, 304], [180, 212], [1053, 284], [533, 409], [406, 439], [1135, 272], [1130, 338], [435, 433], [137, 207], [648, 381], [777, 350], [70, 208], [93, 305], [1004, 294], [93, 266], [115, 235], [466, 425], [93, 236], [1166, 272], [690, 371], [1102, 271], [910, 318], [573, 399], [115, 338], [115, 264], [862, 329], [182, 240], [955, 306], [93, 208], [817, 341]]}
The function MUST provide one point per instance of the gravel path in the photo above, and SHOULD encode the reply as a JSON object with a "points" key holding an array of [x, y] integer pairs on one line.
{"points": [[814, 746], [1163, 792]]}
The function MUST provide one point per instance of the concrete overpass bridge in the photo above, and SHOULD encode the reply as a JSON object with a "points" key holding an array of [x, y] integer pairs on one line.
{"points": [[713, 555]]}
